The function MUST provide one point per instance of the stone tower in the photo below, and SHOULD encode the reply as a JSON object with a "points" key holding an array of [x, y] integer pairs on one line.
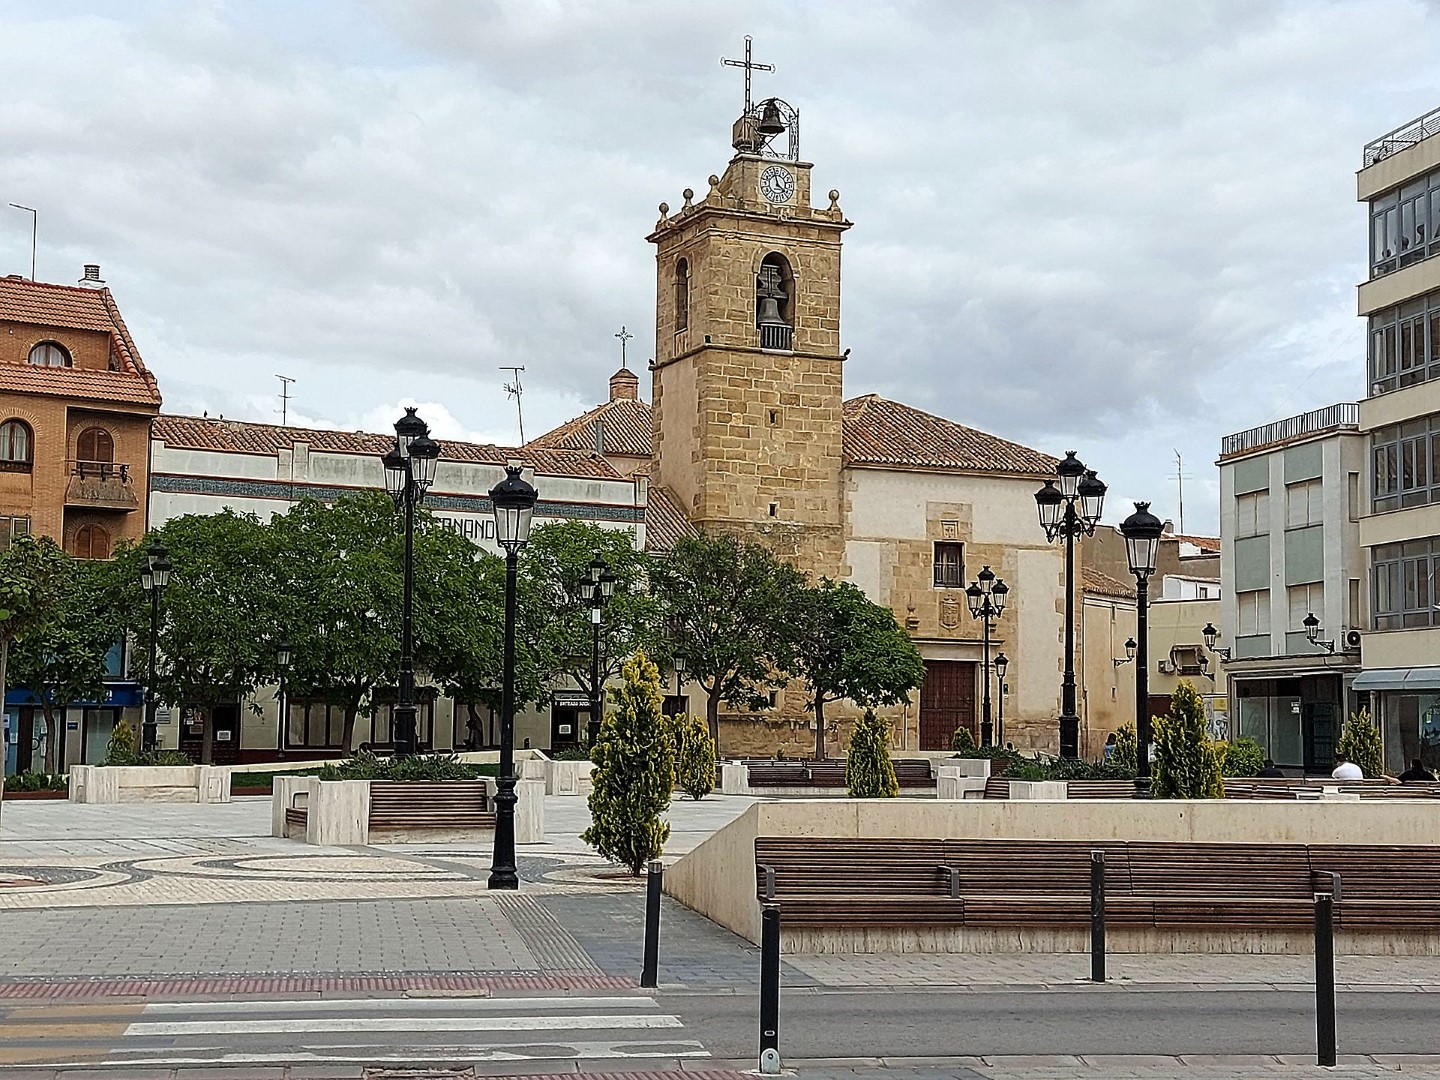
{"points": [[747, 389]]}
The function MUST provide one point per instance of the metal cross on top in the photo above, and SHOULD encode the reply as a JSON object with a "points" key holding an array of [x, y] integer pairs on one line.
{"points": [[749, 66], [624, 336]]}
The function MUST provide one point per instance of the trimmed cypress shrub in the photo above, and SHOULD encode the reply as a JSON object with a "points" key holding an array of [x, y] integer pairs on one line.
{"points": [[869, 772], [694, 757], [1360, 743], [1187, 763], [1125, 748], [634, 774], [1243, 757], [120, 750], [962, 742]]}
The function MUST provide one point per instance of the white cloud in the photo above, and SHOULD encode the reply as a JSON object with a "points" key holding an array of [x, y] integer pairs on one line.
{"points": [[1118, 226]]}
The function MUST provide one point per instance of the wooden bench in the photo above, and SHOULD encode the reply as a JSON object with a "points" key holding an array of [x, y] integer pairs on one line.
{"points": [[830, 774], [857, 883], [296, 820], [436, 805], [998, 787]]}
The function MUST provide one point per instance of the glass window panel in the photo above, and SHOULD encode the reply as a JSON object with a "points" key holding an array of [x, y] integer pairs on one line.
{"points": [[1287, 745], [1255, 719]]}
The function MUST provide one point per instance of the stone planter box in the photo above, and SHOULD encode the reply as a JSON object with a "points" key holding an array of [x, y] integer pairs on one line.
{"points": [[149, 783], [342, 813], [568, 777], [1037, 789], [958, 783]]}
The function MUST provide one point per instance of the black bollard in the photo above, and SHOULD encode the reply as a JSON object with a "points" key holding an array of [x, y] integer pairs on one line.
{"points": [[1097, 916], [1325, 978], [770, 989], [650, 970]]}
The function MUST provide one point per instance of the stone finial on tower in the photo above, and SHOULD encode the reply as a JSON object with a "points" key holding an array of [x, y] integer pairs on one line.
{"points": [[624, 386]]}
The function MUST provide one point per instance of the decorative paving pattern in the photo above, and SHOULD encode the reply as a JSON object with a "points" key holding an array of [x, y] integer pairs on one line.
{"points": [[549, 941], [477, 982]]}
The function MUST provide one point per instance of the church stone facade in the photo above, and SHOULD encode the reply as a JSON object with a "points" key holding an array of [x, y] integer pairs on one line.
{"points": [[752, 435]]}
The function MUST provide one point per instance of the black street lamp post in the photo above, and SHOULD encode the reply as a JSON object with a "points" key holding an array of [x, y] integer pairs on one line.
{"points": [[282, 665], [409, 471], [679, 662], [596, 589], [1142, 531], [153, 579], [1002, 662], [1071, 510], [986, 597], [514, 503]]}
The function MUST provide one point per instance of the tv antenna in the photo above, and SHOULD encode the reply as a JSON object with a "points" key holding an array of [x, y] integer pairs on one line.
{"points": [[285, 398], [624, 336], [34, 223], [749, 66], [1180, 488], [514, 389]]}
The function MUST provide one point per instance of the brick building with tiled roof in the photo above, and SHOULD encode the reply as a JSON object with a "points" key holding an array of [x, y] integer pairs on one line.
{"points": [[75, 406], [617, 431]]}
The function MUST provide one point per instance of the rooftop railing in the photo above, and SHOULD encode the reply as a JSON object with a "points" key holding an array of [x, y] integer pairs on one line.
{"points": [[1346, 414], [1406, 135]]}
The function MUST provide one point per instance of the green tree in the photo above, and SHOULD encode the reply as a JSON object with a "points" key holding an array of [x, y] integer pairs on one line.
{"points": [[62, 659], [849, 648], [556, 621], [1125, 747], [694, 756], [1187, 763], [34, 572], [962, 742], [869, 772], [338, 570], [731, 607], [634, 771], [223, 594], [1360, 742]]}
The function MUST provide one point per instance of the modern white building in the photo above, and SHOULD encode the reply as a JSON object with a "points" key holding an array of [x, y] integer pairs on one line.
{"points": [[1290, 505]]}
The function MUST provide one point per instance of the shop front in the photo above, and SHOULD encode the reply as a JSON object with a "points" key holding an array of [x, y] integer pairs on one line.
{"points": [[1295, 718], [81, 732], [1407, 706]]}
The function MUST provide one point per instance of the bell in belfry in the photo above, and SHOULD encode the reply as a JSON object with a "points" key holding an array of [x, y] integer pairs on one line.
{"points": [[770, 120], [769, 292]]}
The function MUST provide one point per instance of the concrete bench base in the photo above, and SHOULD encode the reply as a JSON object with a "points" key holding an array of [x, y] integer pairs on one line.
{"points": [[337, 814], [149, 783]]}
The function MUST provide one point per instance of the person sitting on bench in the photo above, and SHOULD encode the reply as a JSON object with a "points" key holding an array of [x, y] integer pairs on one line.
{"points": [[1417, 773], [1271, 771], [1345, 769]]}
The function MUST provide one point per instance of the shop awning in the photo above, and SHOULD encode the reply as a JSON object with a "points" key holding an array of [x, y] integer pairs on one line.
{"points": [[1419, 678]]}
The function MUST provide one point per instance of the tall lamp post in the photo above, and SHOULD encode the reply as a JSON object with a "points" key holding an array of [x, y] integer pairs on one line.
{"points": [[596, 589], [409, 471], [1002, 662], [514, 503], [282, 665], [1142, 531], [986, 597], [153, 579], [1066, 512], [679, 662]]}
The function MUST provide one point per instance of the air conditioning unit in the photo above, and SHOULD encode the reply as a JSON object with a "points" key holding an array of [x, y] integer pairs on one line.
{"points": [[1166, 667], [1352, 640]]}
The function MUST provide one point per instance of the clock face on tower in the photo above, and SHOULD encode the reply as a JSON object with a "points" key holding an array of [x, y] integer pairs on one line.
{"points": [[777, 185]]}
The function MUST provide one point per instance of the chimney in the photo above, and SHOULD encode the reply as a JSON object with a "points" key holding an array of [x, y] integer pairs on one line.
{"points": [[600, 427], [624, 386], [92, 278], [1169, 528]]}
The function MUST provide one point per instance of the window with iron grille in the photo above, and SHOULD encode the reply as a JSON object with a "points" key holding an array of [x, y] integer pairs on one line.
{"points": [[949, 564]]}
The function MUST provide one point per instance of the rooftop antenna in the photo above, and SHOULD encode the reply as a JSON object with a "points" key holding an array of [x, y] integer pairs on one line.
{"points": [[514, 389], [285, 396], [749, 66], [624, 336], [1180, 485], [34, 222]]}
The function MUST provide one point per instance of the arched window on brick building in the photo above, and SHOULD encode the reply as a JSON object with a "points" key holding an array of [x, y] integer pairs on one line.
{"points": [[49, 354], [92, 542], [95, 444], [17, 446]]}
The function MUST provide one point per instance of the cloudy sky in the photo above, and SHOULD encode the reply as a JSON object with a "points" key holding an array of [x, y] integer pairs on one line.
{"points": [[1127, 228]]}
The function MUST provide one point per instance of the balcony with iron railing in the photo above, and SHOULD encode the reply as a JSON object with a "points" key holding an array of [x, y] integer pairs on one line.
{"points": [[1402, 138], [100, 485], [1339, 417]]}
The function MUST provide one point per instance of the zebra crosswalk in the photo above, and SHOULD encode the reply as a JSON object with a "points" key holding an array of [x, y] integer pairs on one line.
{"points": [[379, 1031]]}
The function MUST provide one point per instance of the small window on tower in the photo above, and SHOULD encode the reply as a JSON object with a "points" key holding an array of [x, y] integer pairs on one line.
{"points": [[774, 417], [682, 295]]}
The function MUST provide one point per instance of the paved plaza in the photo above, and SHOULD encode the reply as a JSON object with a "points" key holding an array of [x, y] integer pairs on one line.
{"points": [[169, 938]]}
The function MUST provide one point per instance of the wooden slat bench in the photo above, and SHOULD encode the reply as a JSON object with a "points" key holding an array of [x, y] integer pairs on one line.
{"points": [[434, 805], [832, 882], [296, 818], [831, 774]]}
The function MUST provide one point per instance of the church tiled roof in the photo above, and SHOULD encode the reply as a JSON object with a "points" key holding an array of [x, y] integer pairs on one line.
{"points": [[624, 430], [665, 523], [242, 437], [886, 434], [69, 307], [1097, 583]]}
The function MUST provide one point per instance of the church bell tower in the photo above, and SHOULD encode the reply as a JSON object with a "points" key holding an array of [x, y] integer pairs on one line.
{"points": [[747, 387]]}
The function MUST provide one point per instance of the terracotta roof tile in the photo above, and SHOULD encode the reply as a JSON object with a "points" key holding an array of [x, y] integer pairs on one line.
{"points": [[242, 437], [665, 523], [69, 307], [1098, 583], [884, 433], [1208, 544], [624, 426]]}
